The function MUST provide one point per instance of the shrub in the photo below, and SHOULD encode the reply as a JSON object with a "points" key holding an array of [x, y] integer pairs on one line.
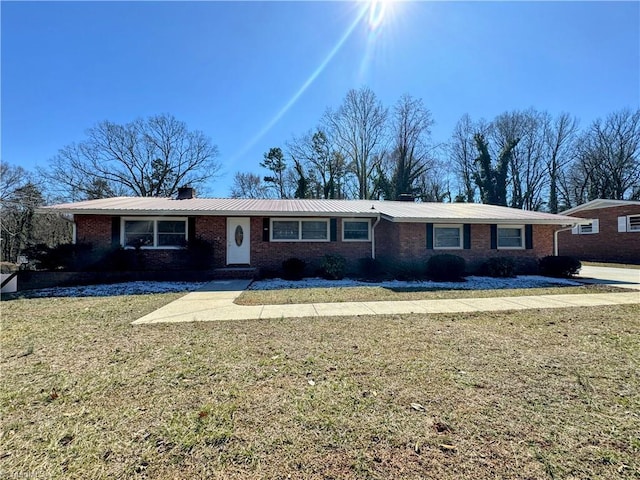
{"points": [[561, 266], [408, 272], [446, 267], [267, 272], [500, 267], [200, 254], [333, 267], [65, 256], [293, 269], [370, 268]]}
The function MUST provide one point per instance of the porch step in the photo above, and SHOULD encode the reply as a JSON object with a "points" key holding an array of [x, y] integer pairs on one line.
{"points": [[235, 272]]}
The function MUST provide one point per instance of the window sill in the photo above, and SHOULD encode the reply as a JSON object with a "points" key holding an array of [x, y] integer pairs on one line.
{"points": [[299, 241], [156, 248]]}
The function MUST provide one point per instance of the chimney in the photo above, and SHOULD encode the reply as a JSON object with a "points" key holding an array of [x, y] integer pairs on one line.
{"points": [[185, 193], [406, 197]]}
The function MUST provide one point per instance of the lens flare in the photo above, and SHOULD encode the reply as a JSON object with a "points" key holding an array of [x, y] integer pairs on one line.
{"points": [[361, 14], [377, 10]]}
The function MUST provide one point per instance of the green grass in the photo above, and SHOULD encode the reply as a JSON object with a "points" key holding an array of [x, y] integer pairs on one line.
{"points": [[531, 394], [376, 294]]}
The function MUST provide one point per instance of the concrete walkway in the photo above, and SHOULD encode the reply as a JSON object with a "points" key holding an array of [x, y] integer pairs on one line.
{"points": [[214, 302]]}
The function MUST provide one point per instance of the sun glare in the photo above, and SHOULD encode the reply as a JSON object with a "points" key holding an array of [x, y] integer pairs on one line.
{"points": [[372, 14], [377, 9]]}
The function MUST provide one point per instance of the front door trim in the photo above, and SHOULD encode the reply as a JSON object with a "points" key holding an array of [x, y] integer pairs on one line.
{"points": [[238, 241]]}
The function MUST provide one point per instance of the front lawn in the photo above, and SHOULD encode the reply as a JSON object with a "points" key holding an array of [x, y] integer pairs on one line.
{"points": [[282, 296], [520, 395]]}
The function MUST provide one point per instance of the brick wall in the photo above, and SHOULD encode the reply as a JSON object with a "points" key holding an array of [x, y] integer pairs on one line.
{"points": [[406, 242], [608, 245], [96, 230], [403, 242], [93, 229], [214, 231], [270, 255]]}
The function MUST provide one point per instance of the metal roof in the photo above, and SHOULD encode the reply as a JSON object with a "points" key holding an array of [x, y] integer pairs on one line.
{"points": [[389, 210], [600, 203]]}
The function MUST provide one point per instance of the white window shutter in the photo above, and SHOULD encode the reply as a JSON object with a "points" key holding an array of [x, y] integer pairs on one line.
{"points": [[622, 224], [595, 228], [575, 230]]}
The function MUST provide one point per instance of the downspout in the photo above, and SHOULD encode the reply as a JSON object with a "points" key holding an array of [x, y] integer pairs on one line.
{"points": [[555, 237], [373, 238]]}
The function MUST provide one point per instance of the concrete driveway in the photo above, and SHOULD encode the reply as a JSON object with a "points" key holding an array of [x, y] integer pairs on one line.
{"points": [[618, 277]]}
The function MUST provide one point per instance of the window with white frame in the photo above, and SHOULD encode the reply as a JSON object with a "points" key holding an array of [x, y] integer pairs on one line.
{"points": [[587, 228], [633, 223], [356, 230], [154, 232], [300, 230], [510, 237], [447, 236]]}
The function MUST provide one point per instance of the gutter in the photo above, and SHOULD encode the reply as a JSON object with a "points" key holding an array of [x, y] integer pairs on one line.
{"points": [[373, 237], [555, 237], [578, 221]]}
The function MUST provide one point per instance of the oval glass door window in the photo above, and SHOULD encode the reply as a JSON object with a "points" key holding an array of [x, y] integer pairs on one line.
{"points": [[239, 235]]}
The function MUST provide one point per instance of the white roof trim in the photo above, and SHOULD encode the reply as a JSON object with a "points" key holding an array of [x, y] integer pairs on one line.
{"points": [[399, 212], [600, 203]]}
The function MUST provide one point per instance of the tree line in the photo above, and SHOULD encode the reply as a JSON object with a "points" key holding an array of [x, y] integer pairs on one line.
{"points": [[526, 159]]}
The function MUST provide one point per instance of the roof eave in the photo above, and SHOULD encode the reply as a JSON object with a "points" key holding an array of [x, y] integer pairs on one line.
{"points": [[485, 221], [209, 213]]}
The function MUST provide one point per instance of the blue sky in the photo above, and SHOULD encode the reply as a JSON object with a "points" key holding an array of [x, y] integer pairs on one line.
{"points": [[229, 68]]}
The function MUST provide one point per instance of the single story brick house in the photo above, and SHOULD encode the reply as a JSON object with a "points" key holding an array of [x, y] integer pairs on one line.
{"points": [[261, 233], [611, 235]]}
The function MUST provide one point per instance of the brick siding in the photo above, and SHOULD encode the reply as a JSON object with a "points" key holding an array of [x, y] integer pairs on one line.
{"points": [[407, 242], [401, 242], [270, 255], [608, 245]]}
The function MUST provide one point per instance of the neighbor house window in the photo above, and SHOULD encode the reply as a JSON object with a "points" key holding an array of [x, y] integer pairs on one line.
{"points": [[299, 230], [356, 230], [633, 223], [587, 229], [447, 236], [510, 237], [154, 232]]}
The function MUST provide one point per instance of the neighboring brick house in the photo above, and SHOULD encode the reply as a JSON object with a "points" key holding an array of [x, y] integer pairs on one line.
{"points": [[263, 233], [613, 235]]}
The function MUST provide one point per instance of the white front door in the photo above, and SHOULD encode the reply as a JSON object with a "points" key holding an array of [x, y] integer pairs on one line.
{"points": [[238, 241]]}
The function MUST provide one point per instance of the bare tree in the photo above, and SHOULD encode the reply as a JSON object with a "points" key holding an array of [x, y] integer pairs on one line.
{"points": [[559, 137], [492, 179], [609, 157], [20, 225], [433, 185], [325, 166], [359, 130], [462, 153], [248, 185], [527, 179], [146, 158], [412, 154]]}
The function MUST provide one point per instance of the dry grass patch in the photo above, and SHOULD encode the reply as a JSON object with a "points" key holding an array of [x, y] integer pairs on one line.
{"points": [[532, 394], [377, 294]]}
